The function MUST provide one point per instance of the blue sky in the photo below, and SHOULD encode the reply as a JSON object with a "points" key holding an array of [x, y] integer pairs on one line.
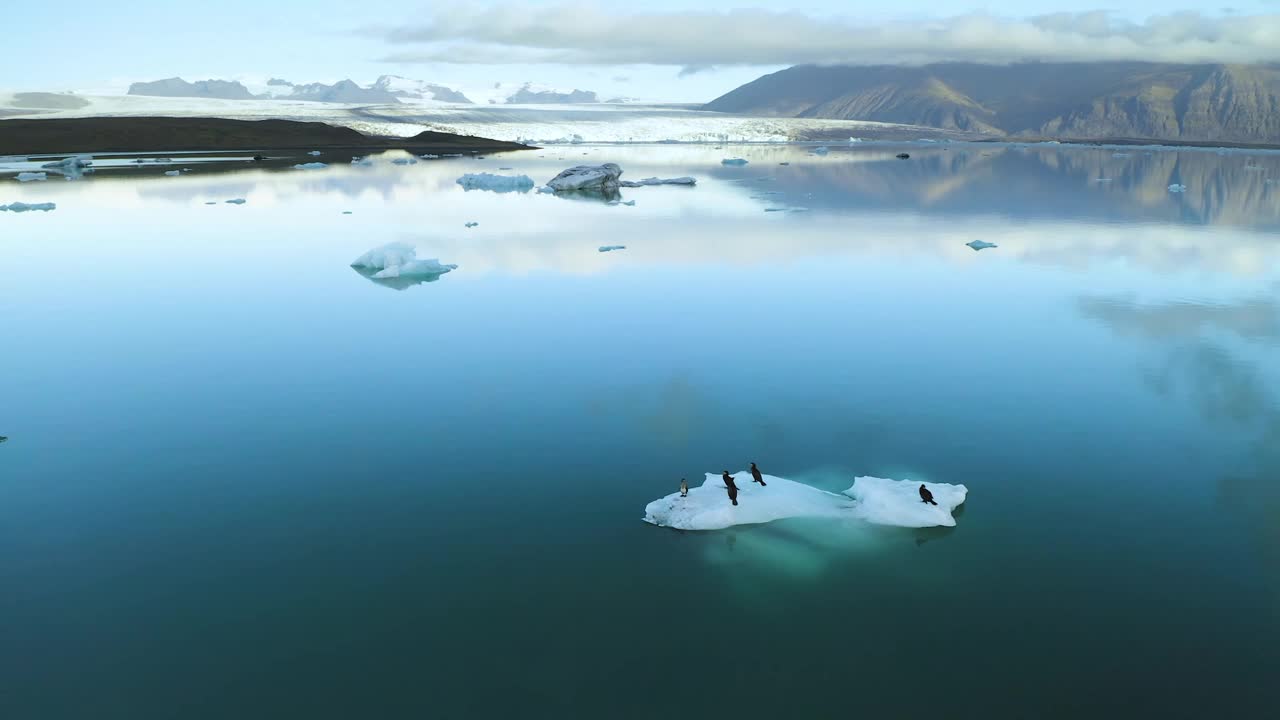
{"points": [[667, 50]]}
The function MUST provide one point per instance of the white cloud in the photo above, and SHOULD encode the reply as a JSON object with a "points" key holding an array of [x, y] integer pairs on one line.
{"points": [[576, 34]]}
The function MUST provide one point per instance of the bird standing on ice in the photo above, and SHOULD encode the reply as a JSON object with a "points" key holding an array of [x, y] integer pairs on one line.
{"points": [[755, 475], [728, 483], [925, 495]]}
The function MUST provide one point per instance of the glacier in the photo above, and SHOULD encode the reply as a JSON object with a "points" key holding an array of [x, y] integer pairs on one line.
{"points": [[496, 183], [397, 260], [875, 500]]}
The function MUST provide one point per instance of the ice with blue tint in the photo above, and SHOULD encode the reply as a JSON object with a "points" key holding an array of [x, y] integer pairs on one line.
{"points": [[1176, 188], [875, 500], [310, 166], [19, 207], [396, 260], [31, 176], [611, 248], [980, 244], [496, 183], [733, 161]]}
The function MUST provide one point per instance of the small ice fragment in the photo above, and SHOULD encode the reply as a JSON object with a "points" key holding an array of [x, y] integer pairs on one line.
{"points": [[980, 244], [784, 163], [19, 207], [31, 176], [404, 161], [658, 181], [611, 248], [1102, 180], [775, 209], [236, 201], [429, 157], [544, 190], [733, 161], [821, 150], [496, 183], [362, 161], [471, 224], [504, 168], [1176, 188], [173, 173], [212, 202], [70, 163], [310, 166], [314, 153], [346, 212]]}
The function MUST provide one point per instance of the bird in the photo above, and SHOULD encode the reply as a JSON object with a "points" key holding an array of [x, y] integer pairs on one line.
{"points": [[925, 495], [755, 475]]}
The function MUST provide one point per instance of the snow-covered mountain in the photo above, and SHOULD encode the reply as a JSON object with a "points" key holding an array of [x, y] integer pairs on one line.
{"points": [[407, 88], [177, 87], [387, 89], [528, 93]]}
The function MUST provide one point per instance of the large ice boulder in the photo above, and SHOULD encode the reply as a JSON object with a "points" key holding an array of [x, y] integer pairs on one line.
{"points": [[397, 260], [496, 183], [588, 178], [875, 500]]}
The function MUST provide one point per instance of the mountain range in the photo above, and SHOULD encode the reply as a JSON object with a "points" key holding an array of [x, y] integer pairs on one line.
{"points": [[1211, 102], [385, 90]]}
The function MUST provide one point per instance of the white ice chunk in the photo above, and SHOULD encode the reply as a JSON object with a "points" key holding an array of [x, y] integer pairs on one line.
{"points": [[399, 260], [496, 183], [587, 178], [28, 207], [310, 166], [980, 244], [733, 161], [173, 173], [658, 181], [314, 153], [1176, 188], [897, 502], [236, 201], [71, 163], [874, 500], [611, 248], [31, 176]]}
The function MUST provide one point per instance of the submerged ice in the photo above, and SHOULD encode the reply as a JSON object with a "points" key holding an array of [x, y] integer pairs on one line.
{"points": [[875, 500]]}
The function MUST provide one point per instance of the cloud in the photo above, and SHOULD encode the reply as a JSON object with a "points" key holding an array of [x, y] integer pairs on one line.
{"points": [[578, 33]]}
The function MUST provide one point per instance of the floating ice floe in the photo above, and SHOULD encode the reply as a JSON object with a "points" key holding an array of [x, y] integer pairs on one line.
{"points": [[28, 207], [496, 183], [31, 176], [236, 201], [980, 244], [870, 499], [821, 150], [587, 178], [611, 248], [404, 161], [1176, 188], [733, 161], [658, 181], [310, 166], [71, 163], [314, 153], [398, 260], [173, 173]]}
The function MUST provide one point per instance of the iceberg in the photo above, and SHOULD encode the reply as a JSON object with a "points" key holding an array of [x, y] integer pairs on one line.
{"points": [[398, 260], [980, 244], [236, 201], [1176, 188], [658, 181], [587, 178], [31, 176], [875, 500], [496, 183], [611, 248], [310, 166], [71, 163], [28, 207], [733, 161]]}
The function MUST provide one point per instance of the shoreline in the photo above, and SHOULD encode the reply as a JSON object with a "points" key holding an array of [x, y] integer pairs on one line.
{"points": [[116, 135]]}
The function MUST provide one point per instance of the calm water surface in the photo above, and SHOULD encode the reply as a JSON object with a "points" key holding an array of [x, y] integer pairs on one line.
{"points": [[243, 480]]}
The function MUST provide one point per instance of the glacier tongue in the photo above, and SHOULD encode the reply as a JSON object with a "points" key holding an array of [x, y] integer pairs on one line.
{"points": [[875, 500]]}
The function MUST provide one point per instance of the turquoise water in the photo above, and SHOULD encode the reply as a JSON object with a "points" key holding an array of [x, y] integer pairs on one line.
{"points": [[242, 480]]}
